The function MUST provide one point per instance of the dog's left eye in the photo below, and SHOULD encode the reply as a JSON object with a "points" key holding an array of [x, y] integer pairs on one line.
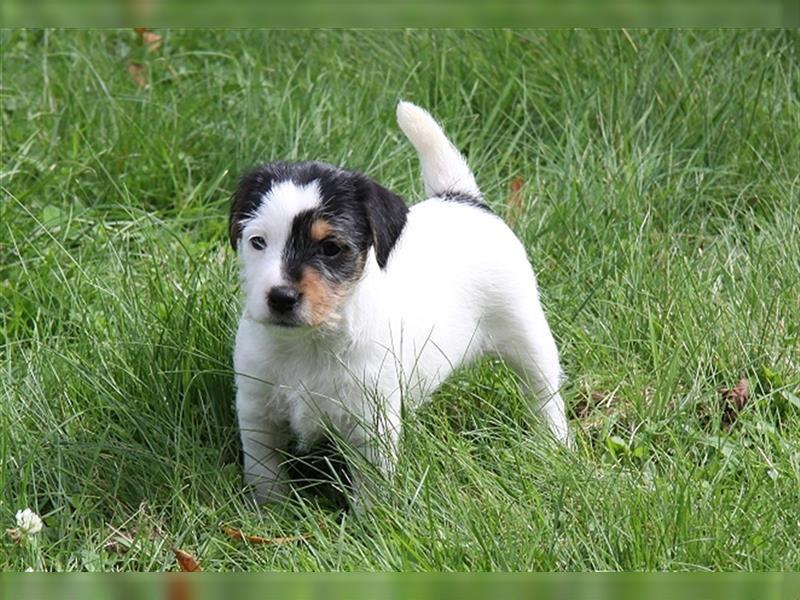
{"points": [[330, 248], [258, 242]]}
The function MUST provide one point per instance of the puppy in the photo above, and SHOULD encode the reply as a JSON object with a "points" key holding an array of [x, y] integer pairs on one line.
{"points": [[356, 304]]}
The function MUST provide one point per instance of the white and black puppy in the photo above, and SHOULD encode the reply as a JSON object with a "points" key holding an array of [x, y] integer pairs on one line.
{"points": [[356, 304]]}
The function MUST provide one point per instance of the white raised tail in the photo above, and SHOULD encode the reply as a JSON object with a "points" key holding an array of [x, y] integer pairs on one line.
{"points": [[444, 169]]}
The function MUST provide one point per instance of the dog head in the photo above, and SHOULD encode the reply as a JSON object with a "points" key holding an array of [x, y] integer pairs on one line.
{"points": [[304, 232]]}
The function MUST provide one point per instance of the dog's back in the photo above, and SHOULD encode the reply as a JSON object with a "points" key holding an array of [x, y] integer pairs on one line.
{"points": [[478, 291], [466, 249]]}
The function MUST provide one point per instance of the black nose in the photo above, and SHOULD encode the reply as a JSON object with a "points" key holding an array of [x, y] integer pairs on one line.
{"points": [[282, 298]]}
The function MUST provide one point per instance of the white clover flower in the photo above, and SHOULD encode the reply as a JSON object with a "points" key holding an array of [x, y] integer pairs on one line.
{"points": [[28, 522]]}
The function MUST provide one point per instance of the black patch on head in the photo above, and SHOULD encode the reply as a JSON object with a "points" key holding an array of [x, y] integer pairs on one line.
{"points": [[341, 206], [248, 197], [360, 211], [254, 184], [302, 251], [465, 198]]}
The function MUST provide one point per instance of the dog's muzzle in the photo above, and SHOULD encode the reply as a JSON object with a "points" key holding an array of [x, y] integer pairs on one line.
{"points": [[283, 300]]}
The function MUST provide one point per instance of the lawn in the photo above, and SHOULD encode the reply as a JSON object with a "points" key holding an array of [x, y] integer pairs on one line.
{"points": [[653, 176]]}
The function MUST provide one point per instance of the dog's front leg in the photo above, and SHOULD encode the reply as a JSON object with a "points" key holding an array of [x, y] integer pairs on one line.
{"points": [[376, 438], [264, 444]]}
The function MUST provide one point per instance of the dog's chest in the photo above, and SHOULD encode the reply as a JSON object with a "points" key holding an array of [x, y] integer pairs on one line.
{"points": [[317, 390]]}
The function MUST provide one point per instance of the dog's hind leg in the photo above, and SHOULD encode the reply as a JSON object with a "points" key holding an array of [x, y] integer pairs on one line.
{"points": [[528, 347]]}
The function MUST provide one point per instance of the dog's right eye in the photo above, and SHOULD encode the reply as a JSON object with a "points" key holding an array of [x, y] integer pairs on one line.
{"points": [[258, 242]]}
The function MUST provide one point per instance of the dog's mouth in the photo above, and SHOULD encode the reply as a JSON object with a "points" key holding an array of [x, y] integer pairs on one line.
{"points": [[286, 328], [284, 322]]}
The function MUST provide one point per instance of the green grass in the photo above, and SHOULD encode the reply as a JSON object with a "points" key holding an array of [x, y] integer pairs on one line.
{"points": [[661, 210]]}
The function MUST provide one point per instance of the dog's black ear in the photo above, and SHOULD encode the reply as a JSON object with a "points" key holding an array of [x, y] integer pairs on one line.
{"points": [[387, 213], [247, 198]]}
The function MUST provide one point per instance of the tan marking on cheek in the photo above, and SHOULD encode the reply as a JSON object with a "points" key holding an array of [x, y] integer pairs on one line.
{"points": [[320, 229], [321, 299]]}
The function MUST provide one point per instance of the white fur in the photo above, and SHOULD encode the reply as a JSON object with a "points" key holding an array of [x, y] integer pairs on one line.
{"points": [[457, 286], [443, 167]]}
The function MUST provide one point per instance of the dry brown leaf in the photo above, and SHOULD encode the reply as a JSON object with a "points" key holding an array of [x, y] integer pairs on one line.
{"points": [[733, 401], [187, 562], [138, 73], [151, 40], [237, 534], [180, 588], [515, 207]]}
